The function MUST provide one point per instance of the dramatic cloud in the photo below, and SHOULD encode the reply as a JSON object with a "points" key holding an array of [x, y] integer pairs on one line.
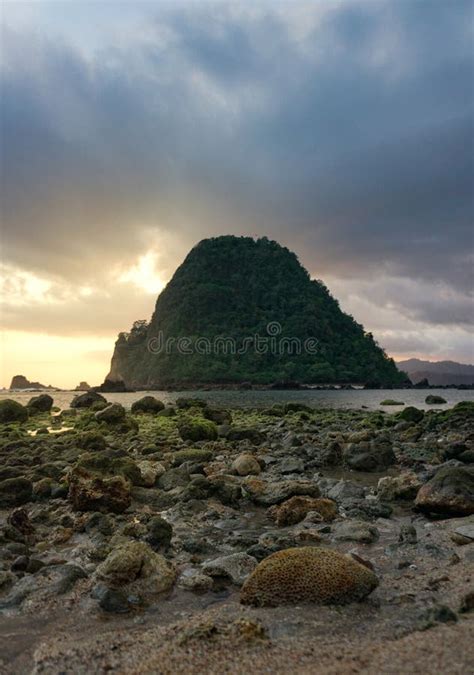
{"points": [[342, 129]]}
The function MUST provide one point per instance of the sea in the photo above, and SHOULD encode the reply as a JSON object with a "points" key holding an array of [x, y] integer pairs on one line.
{"points": [[341, 398]]}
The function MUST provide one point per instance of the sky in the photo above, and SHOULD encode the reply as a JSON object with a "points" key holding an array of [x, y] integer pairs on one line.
{"points": [[132, 130]]}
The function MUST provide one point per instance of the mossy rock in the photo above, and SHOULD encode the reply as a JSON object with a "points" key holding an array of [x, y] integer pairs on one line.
{"points": [[297, 407], [411, 414], [307, 575], [87, 400], [15, 491], [432, 399], [391, 401], [194, 429], [107, 464], [114, 413], [93, 492], [218, 415], [184, 403], [147, 404], [464, 407], [12, 411], [195, 455], [91, 440], [159, 533], [245, 434], [137, 567]]}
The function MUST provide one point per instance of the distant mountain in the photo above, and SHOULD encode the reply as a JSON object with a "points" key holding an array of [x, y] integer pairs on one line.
{"points": [[438, 372], [21, 382], [230, 290]]}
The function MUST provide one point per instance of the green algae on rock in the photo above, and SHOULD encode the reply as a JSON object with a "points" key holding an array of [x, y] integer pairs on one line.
{"points": [[12, 411]]}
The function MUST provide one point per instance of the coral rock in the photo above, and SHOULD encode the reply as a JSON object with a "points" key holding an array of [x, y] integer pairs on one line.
{"points": [[307, 575]]}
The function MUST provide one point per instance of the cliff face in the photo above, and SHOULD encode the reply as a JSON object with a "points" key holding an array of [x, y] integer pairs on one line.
{"points": [[240, 309]]}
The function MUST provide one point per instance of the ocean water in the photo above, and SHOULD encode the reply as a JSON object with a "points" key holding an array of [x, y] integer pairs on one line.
{"points": [[360, 398]]}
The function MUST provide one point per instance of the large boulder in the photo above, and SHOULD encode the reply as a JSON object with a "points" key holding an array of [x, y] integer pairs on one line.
{"points": [[307, 575], [449, 493], [12, 411], [112, 414], [40, 404], [147, 404], [87, 400]]}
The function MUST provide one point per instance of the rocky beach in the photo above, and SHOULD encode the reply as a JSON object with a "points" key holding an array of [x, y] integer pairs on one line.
{"points": [[193, 538]]}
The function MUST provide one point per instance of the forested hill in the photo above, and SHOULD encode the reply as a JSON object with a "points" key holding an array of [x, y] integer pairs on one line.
{"points": [[235, 288]]}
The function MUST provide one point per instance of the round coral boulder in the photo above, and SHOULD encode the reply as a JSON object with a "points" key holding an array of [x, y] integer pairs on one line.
{"points": [[307, 575]]}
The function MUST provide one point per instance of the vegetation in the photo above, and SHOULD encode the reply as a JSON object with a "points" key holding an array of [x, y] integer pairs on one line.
{"points": [[234, 287]]}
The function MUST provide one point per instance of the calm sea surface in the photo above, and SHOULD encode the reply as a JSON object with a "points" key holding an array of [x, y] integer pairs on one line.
{"points": [[317, 399]]}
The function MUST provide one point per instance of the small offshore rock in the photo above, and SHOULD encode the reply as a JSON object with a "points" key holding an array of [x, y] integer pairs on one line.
{"points": [[432, 399]]}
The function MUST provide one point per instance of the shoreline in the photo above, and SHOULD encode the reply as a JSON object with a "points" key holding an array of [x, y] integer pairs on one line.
{"points": [[210, 493]]}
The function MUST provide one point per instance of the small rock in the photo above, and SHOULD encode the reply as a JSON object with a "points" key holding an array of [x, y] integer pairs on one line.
{"points": [[467, 603], [246, 465], [236, 567], [407, 535], [356, 530], [435, 615]]}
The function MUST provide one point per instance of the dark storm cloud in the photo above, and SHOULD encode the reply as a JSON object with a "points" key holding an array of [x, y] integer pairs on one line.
{"points": [[344, 131]]}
